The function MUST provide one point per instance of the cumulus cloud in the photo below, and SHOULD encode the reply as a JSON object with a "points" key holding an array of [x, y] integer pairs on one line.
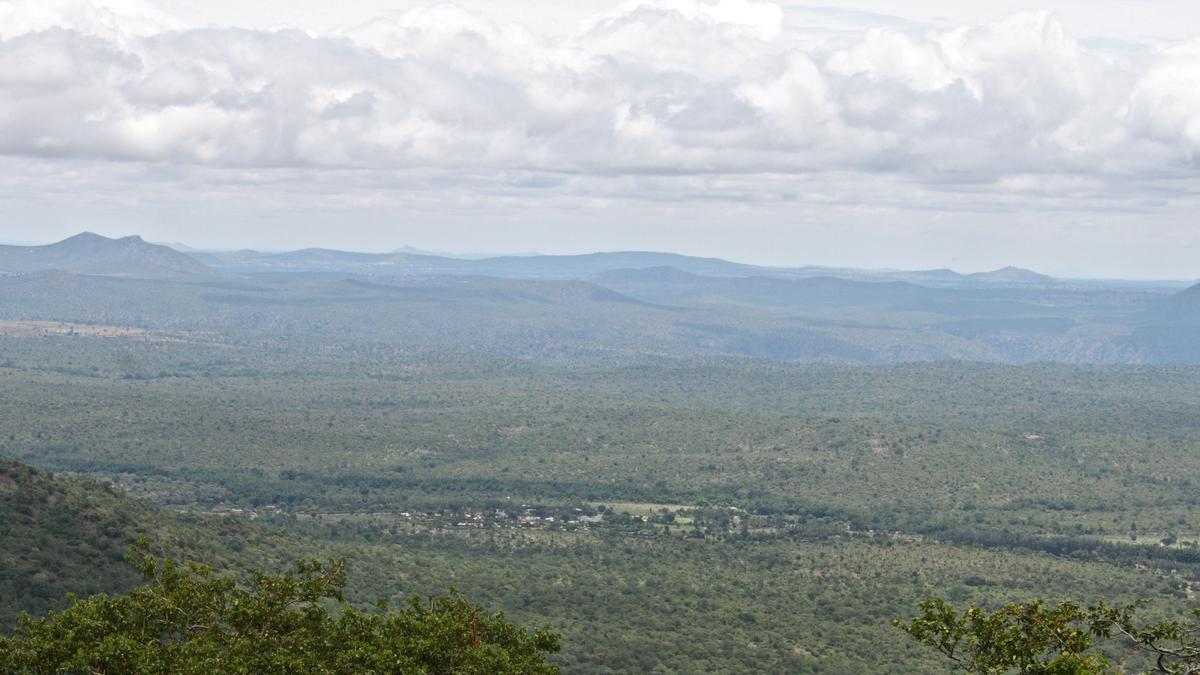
{"points": [[114, 20], [1163, 107], [660, 87]]}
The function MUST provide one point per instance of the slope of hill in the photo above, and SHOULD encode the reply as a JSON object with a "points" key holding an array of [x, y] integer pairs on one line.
{"points": [[669, 284], [528, 318], [69, 534], [1180, 308], [61, 536], [656, 312], [1169, 330], [603, 305], [89, 253]]}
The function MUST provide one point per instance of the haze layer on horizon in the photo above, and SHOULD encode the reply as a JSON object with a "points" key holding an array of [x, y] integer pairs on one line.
{"points": [[915, 134]]}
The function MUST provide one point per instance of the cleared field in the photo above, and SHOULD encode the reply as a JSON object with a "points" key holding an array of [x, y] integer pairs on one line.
{"points": [[643, 508], [59, 328]]}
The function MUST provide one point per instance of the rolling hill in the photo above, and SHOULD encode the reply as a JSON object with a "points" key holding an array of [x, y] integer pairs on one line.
{"points": [[1168, 331], [634, 314], [1181, 308], [599, 306], [69, 534], [586, 266], [79, 529], [1012, 275], [669, 284], [89, 253], [517, 267]]}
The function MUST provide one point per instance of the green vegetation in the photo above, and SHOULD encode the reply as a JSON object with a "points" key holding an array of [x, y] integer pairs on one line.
{"points": [[1067, 639], [629, 597], [968, 451], [186, 619], [69, 535], [597, 312], [595, 461], [719, 517], [58, 536], [1025, 638]]}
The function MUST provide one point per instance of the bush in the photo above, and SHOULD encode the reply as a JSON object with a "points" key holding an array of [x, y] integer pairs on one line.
{"points": [[187, 619]]}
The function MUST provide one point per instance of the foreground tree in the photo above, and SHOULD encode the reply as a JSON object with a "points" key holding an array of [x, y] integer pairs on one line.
{"points": [[187, 619], [1024, 638], [1038, 639]]}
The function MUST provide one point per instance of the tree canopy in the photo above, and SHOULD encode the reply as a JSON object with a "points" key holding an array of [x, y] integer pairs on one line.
{"points": [[1038, 639], [188, 619]]}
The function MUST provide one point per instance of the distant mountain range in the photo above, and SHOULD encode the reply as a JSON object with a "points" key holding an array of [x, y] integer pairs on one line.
{"points": [[584, 266], [602, 305], [461, 256], [89, 253], [517, 267]]}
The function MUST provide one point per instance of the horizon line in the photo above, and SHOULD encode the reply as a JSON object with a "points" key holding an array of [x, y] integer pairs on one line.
{"points": [[188, 249]]}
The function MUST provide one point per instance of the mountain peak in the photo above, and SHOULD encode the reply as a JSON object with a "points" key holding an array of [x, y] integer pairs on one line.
{"points": [[85, 236], [1012, 274], [91, 253], [91, 239]]}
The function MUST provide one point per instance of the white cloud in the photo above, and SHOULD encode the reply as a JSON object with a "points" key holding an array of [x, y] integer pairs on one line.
{"points": [[1164, 105], [668, 86], [110, 19], [660, 100]]}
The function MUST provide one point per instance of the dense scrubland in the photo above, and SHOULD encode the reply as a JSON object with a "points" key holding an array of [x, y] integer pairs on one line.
{"points": [[717, 516]]}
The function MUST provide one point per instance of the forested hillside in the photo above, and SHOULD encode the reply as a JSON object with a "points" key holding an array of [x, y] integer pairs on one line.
{"points": [[59, 536], [71, 534]]}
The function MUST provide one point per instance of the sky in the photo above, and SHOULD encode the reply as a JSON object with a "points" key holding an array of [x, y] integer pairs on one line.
{"points": [[1062, 135]]}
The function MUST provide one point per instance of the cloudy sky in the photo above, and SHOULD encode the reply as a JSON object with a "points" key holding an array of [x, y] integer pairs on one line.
{"points": [[1060, 135]]}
